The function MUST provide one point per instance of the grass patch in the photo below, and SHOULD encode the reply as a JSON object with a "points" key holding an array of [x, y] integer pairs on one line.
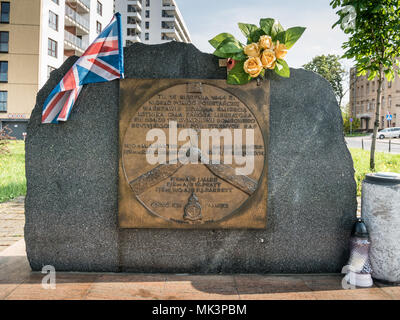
{"points": [[12, 172], [384, 162]]}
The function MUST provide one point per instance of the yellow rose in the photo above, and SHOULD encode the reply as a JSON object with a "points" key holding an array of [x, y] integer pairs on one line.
{"points": [[268, 59], [252, 50], [253, 66], [280, 50], [265, 42]]}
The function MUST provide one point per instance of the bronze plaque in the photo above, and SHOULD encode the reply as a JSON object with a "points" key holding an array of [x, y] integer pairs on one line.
{"points": [[193, 154]]}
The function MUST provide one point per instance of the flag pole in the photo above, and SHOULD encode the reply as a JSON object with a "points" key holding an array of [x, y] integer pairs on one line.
{"points": [[120, 45]]}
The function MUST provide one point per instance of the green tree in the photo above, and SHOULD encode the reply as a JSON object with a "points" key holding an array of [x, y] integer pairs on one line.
{"points": [[356, 124], [374, 43], [329, 67]]}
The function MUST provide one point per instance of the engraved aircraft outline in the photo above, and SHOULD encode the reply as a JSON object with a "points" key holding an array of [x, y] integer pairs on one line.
{"points": [[163, 171]]}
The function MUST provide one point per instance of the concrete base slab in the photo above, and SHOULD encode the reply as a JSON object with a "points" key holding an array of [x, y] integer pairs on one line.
{"points": [[17, 282]]}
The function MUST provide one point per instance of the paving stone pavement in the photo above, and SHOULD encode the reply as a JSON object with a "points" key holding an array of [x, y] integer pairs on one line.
{"points": [[12, 221], [17, 282]]}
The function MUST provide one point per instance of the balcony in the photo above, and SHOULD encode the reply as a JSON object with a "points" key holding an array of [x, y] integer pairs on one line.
{"points": [[168, 29], [170, 35], [167, 16], [135, 29], [135, 15], [168, 8], [366, 115], [168, 3], [133, 38], [72, 42], [75, 19], [137, 4], [166, 38], [82, 6]]}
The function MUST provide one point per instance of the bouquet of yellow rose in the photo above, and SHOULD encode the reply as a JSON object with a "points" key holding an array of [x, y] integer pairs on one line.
{"points": [[266, 49]]}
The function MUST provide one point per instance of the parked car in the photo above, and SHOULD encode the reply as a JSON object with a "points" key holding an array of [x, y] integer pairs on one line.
{"points": [[389, 133]]}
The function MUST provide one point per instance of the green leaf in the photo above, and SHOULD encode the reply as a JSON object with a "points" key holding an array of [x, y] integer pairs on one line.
{"points": [[237, 75], [389, 75], [292, 35], [262, 74], [220, 54], [372, 75], [230, 48], [281, 36], [239, 56], [217, 40], [282, 69], [230, 45], [255, 35], [266, 25], [276, 29], [247, 29]]}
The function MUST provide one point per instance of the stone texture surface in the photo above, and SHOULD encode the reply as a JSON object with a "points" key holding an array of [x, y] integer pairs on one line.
{"points": [[71, 204], [381, 211]]}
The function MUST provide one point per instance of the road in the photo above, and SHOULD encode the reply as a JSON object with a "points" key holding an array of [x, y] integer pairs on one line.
{"points": [[381, 145]]}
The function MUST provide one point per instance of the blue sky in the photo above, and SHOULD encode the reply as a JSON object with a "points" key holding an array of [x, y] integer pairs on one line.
{"points": [[207, 18]]}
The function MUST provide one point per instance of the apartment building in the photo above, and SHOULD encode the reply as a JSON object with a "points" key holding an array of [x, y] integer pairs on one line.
{"points": [[152, 21], [363, 101], [36, 36]]}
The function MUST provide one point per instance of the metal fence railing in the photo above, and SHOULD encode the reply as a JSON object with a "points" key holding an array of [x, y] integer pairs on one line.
{"points": [[86, 3], [75, 40]]}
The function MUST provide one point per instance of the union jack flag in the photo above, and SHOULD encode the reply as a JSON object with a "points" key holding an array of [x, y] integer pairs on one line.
{"points": [[102, 61]]}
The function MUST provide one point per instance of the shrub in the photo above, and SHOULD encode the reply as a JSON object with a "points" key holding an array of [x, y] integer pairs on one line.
{"points": [[5, 139]]}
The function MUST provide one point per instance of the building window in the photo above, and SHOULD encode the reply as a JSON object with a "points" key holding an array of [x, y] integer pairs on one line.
{"points": [[147, 3], [99, 28], [132, 8], [389, 101], [49, 70], [3, 101], [147, 13], [147, 24], [129, 43], [5, 12], [131, 32], [99, 8], [383, 102], [4, 36], [53, 20], [131, 20], [389, 84], [3, 71], [55, 1], [146, 36], [52, 50]]}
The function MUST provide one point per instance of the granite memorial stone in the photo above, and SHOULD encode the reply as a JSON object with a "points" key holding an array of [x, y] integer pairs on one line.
{"points": [[304, 199]]}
